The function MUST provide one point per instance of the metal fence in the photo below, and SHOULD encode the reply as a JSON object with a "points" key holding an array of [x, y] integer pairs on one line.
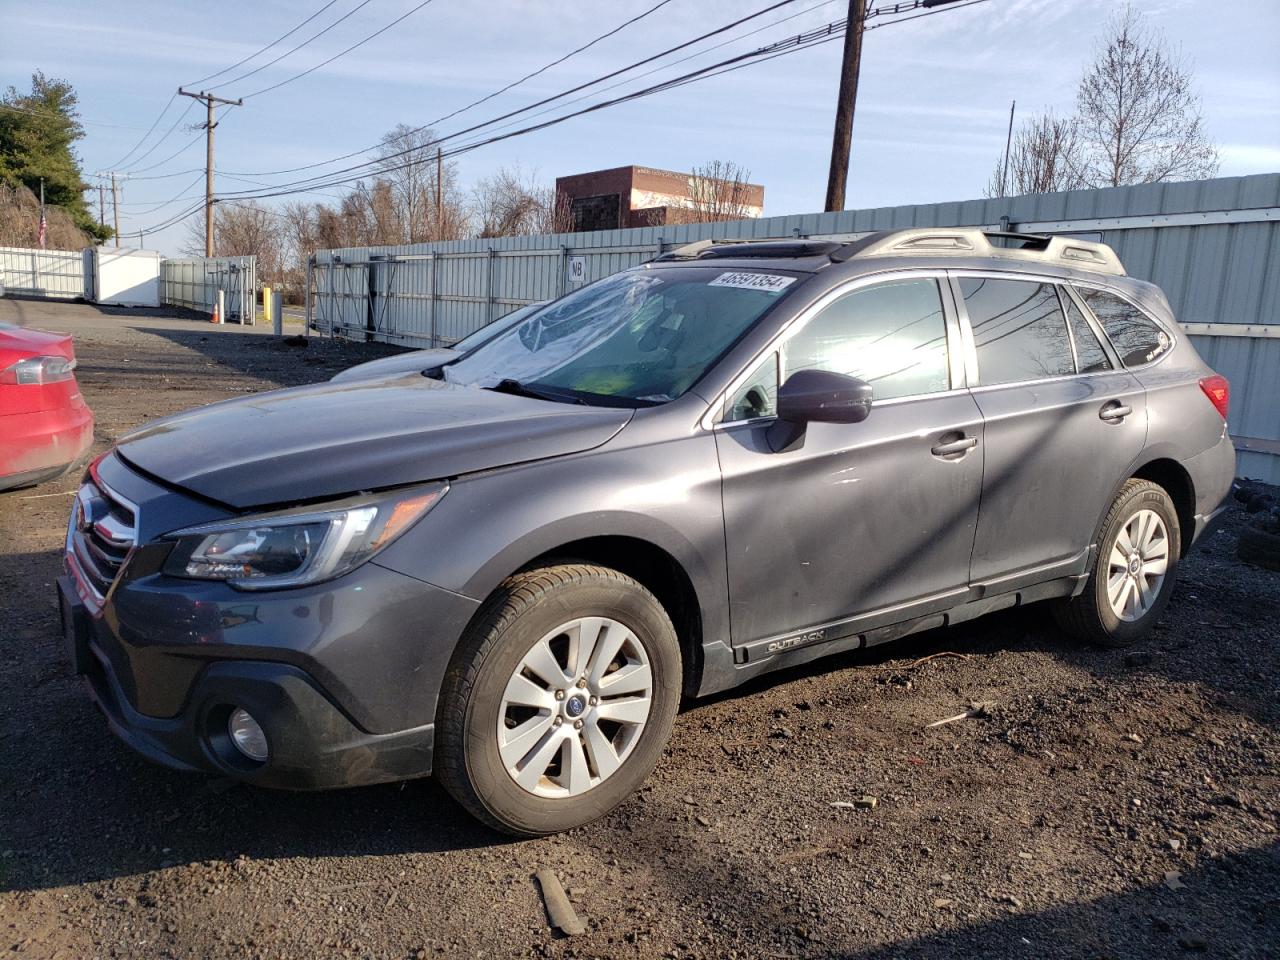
{"points": [[1212, 245], [194, 283], [52, 274]]}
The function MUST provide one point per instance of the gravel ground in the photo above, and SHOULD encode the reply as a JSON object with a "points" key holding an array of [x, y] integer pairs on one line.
{"points": [[1110, 804]]}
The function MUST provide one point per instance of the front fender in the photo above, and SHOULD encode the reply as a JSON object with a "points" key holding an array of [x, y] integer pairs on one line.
{"points": [[490, 525]]}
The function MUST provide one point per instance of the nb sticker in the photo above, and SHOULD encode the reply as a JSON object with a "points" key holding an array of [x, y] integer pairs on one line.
{"points": [[768, 282]]}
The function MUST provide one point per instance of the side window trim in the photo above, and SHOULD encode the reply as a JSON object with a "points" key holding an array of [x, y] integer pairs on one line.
{"points": [[1064, 286], [1069, 292], [1121, 295], [1071, 334], [718, 409]]}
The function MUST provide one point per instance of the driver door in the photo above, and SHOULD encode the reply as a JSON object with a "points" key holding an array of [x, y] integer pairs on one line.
{"points": [[853, 525]]}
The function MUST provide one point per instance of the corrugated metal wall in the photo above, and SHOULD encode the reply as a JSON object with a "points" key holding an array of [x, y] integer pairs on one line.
{"points": [[194, 282], [1212, 245], [52, 274]]}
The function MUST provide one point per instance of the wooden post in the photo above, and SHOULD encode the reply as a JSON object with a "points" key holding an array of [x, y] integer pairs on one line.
{"points": [[842, 137]]}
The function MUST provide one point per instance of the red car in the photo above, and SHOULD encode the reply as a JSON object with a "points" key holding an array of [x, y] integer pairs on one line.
{"points": [[45, 426]]}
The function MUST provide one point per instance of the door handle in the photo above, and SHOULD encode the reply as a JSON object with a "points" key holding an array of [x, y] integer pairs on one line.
{"points": [[1114, 411], [952, 447]]}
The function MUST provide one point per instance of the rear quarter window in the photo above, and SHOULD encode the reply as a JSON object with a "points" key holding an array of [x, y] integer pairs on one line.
{"points": [[1137, 338]]}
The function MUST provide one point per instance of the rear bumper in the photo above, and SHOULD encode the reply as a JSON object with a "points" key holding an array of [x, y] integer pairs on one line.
{"points": [[38, 446]]}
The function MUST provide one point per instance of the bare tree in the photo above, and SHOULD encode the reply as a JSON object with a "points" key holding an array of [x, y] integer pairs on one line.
{"points": [[240, 229], [509, 204], [407, 163], [1046, 155], [1139, 113], [720, 190]]}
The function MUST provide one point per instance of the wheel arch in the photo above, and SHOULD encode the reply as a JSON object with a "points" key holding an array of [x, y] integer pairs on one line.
{"points": [[669, 571], [1176, 481], [658, 572]]}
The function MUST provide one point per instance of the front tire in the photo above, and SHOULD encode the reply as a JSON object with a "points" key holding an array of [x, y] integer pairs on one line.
{"points": [[1133, 573], [559, 700]]}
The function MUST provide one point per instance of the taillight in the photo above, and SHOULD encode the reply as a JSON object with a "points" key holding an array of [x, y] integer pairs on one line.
{"points": [[37, 370], [1218, 390]]}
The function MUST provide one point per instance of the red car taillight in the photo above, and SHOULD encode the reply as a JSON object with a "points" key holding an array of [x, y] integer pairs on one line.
{"points": [[38, 370], [1218, 390]]}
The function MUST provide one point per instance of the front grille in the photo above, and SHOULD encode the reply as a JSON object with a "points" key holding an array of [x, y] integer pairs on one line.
{"points": [[102, 532]]}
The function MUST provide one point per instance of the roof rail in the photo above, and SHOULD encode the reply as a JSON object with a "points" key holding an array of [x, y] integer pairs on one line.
{"points": [[976, 242], [754, 247]]}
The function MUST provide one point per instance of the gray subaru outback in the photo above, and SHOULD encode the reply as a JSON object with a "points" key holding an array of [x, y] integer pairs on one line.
{"points": [[508, 569]]}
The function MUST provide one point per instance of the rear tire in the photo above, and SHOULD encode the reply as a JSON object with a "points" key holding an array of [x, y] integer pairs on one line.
{"points": [[559, 700], [1133, 573]]}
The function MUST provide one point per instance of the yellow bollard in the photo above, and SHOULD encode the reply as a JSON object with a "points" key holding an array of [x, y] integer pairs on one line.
{"points": [[266, 304]]}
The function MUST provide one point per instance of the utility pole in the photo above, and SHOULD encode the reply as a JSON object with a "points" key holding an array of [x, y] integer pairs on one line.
{"points": [[115, 206], [102, 204], [842, 138], [1008, 142], [439, 187], [209, 100]]}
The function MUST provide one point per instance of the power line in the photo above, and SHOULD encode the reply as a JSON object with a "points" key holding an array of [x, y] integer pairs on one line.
{"points": [[555, 63], [168, 176], [54, 115], [165, 109], [432, 123], [793, 44], [816, 37], [826, 34], [283, 36], [152, 206], [343, 53], [382, 161], [165, 136], [293, 50], [151, 128]]}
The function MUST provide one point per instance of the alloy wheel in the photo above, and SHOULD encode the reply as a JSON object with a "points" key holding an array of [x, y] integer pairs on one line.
{"points": [[1136, 565], [575, 707]]}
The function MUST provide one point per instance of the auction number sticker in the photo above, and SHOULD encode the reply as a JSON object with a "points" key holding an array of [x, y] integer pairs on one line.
{"points": [[768, 282]]}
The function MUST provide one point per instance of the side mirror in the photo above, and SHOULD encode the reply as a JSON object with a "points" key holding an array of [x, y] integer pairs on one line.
{"points": [[821, 396]]}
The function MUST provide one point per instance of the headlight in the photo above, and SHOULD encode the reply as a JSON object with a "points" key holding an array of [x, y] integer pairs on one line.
{"points": [[298, 546]]}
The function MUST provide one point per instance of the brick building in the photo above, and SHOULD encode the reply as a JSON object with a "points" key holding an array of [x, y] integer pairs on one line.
{"points": [[645, 197]]}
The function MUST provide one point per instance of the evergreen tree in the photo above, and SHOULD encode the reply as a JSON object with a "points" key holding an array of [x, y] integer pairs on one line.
{"points": [[37, 133]]}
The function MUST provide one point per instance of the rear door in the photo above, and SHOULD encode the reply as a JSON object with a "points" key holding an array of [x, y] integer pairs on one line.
{"points": [[874, 518], [1062, 424]]}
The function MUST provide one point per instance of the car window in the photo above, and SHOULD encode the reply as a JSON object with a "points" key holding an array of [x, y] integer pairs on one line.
{"points": [[758, 395], [491, 330], [1136, 337], [892, 335], [1018, 330], [643, 336], [1090, 356]]}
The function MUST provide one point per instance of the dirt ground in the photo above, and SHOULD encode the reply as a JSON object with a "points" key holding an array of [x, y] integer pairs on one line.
{"points": [[1117, 804]]}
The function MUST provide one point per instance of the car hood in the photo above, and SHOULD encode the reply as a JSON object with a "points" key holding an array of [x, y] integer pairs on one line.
{"points": [[332, 439], [413, 362]]}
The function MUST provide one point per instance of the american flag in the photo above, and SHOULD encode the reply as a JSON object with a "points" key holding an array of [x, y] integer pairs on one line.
{"points": [[44, 228]]}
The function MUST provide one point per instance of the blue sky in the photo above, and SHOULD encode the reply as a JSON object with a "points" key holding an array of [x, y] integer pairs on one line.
{"points": [[931, 116]]}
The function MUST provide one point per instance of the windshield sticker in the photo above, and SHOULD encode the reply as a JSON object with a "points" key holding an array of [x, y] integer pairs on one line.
{"points": [[768, 282]]}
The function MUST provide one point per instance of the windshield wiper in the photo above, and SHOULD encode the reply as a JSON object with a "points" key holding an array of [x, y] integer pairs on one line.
{"points": [[518, 389]]}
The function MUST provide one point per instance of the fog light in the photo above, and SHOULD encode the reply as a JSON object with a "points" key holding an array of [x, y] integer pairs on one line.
{"points": [[247, 735]]}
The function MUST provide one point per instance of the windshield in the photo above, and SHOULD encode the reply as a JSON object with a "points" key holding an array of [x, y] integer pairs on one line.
{"points": [[643, 336], [491, 330]]}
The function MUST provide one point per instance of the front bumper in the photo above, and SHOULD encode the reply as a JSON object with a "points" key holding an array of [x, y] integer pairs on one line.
{"points": [[343, 676], [313, 744]]}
